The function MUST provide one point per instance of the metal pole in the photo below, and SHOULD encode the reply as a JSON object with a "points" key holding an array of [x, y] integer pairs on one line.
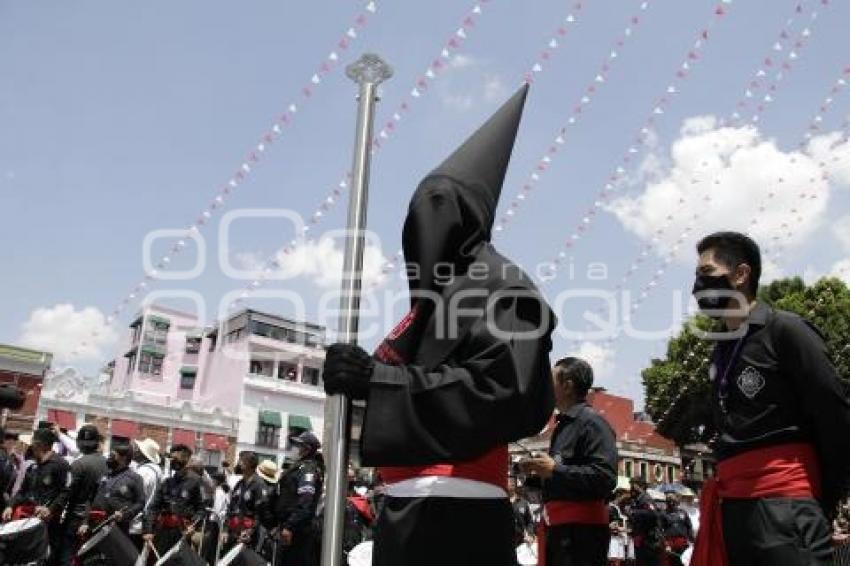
{"points": [[368, 71]]}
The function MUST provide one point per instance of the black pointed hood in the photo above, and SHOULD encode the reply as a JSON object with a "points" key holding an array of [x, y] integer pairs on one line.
{"points": [[454, 207]]}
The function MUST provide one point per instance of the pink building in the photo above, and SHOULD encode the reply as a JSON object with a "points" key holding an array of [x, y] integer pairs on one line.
{"points": [[245, 383]]}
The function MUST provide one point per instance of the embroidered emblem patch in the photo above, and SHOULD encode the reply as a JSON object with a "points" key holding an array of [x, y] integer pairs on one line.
{"points": [[750, 382]]}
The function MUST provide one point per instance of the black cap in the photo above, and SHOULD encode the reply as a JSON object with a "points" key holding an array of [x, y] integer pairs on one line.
{"points": [[307, 438], [44, 436], [88, 436], [482, 160]]}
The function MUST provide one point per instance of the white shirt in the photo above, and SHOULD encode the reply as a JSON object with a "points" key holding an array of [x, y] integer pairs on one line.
{"points": [[151, 475], [220, 504]]}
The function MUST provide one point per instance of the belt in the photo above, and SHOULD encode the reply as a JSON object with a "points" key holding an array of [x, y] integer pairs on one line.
{"points": [[236, 523]]}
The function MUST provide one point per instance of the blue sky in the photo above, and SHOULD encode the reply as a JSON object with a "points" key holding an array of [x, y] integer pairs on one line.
{"points": [[117, 119]]}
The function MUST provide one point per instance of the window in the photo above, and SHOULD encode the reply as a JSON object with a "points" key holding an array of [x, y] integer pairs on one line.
{"points": [[156, 334], [187, 378], [233, 336], [256, 367], [137, 332], [150, 364], [193, 345], [629, 469], [131, 363], [658, 472], [671, 474], [287, 371], [268, 436], [310, 376], [644, 471]]}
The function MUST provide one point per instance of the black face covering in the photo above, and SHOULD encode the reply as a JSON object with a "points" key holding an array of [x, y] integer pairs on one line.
{"points": [[177, 466], [112, 462], [238, 469], [707, 300]]}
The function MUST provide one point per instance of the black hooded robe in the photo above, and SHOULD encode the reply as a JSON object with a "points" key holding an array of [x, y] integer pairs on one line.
{"points": [[455, 388]]}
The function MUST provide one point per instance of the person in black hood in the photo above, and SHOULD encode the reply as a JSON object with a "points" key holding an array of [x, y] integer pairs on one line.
{"points": [[463, 374]]}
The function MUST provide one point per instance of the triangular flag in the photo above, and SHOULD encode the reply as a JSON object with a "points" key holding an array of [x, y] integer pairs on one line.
{"points": [[559, 140], [371, 7], [414, 93], [553, 43], [658, 110], [476, 9], [333, 56], [571, 18], [600, 79], [792, 55], [671, 89], [315, 79], [585, 99], [768, 98], [537, 68], [461, 33], [761, 73], [351, 33], [293, 108], [429, 73], [572, 120], [807, 32], [445, 53], [777, 46], [613, 55]]}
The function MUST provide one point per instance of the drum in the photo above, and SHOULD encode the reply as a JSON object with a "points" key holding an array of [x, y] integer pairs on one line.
{"points": [[108, 545], [23, 541], [241, 555], [361, 555], [181, 554]]}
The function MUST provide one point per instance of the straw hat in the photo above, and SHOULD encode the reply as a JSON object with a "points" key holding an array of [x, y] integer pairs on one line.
{"points": [[149, 448], [268, 471]]}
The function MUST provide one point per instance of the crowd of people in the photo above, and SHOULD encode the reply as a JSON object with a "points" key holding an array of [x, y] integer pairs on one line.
{"points": [[152, 505]]}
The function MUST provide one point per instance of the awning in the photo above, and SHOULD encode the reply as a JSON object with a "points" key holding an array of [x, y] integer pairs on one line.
{"points": [[195, 334], [127, 429], [161, 320], [271, 418], [65, 419], [189, 370], [153, 350], [298, 421], [182, 436], [215, 442]]}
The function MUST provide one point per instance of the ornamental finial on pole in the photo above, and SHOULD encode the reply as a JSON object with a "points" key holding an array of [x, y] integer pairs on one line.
{"points": [[370, 68]]}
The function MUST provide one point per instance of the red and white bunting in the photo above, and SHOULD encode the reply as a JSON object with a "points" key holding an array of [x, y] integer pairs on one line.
{"points": [[255, 154], [601, 76], [421, 86], [642, 138]]}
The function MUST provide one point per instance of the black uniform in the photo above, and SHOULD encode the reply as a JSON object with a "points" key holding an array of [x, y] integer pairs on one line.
{"points": [[584, 448], [774, 386], [48, 484], [645, 528], [252, 500], [86, 473], [177, 503], [453, 385], [677, 524], [122, 490], [300, 491]]}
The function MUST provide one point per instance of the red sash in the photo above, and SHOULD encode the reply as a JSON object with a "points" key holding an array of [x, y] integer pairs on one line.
{"points": [[786, 470], [569, 513], [362, 506], [490, 468]]}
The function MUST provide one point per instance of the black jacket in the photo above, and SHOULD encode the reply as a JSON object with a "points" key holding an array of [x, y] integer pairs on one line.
{"points": [[47, 484], [584, 448], [300, 492], [253, 498], [123, 491], [677, 524], [180, 494], [86, 473], [781, 388]]}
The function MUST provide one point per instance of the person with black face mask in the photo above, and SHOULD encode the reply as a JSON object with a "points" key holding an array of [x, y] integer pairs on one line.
{"points": [[781, 417], [178, 504], [462, 375], [86, 473], [120, 495]]}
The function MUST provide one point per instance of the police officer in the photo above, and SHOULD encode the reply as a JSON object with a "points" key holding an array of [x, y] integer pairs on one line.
{"points": [[781, 416], [578, 474], [300, 491], [178, 504], [645, 524], [46, 488], [120, 495], [678, 529], [251, 512], [86, 473]]}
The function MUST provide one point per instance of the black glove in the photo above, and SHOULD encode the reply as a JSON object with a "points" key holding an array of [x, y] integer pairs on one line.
{"points": [[348, 369]]}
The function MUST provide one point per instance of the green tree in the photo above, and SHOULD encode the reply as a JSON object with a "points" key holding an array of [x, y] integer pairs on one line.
{"points": [[677, 388]]}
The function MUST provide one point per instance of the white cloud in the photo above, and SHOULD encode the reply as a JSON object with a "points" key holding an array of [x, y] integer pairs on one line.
{"points": [[466, 82], [841, 230], [770, 271], [320, 262], [600, 358], [745, 176], [71, 335]]}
